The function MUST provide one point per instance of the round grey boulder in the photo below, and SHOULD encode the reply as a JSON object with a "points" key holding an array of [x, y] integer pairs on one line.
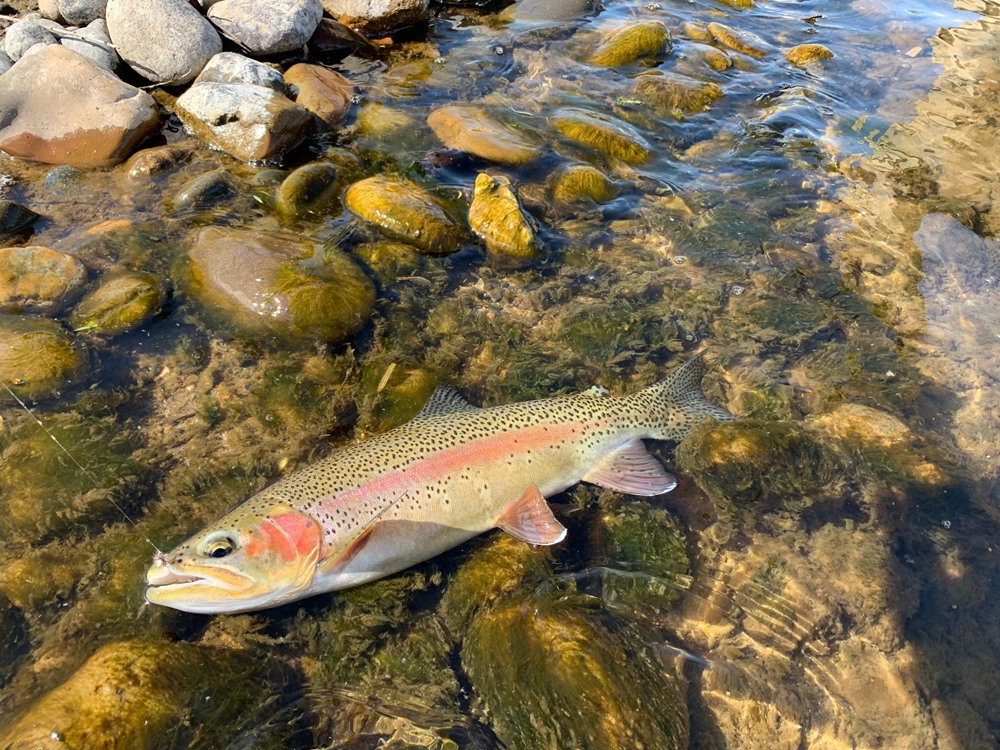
{"points": [[267, 28], [165, 41], [82, 12], [230, 67], [24, 35], [94, 43]]}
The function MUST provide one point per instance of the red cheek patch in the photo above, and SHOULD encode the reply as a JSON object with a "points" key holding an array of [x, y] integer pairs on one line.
{"points": [[290, 535]]}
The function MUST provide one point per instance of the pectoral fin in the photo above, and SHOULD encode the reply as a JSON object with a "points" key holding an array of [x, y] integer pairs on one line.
{"points": [[333, 563], [530, 519], [631, 469]]}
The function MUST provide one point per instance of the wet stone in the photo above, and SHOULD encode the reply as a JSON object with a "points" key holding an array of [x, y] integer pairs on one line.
{"points": [[15, 220], [497, 217], [390, 260], [404, 211], [473, 130], [632, 43], [739, 41], [306, 191], [155, 161], [264, 282], [37, 279], [582, 182], [669, 92], [121, 303], [551, 10], [804, 55], [207, 190], [602, 133], [37, 356], [713, 57], [325, 93]]}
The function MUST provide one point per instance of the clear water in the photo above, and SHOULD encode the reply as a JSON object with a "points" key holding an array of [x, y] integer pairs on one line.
{"points": [[824, 576]]}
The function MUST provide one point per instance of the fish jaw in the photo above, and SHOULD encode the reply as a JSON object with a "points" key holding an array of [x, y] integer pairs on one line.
{"points": [[272, 561]]}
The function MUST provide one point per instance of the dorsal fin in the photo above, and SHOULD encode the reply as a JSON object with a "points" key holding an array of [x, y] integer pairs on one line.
{"points": [[445, 400]]}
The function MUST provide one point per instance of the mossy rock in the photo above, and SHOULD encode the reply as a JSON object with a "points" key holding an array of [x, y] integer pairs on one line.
{"points": [[750, 461], [697, 31], [130, 694], [206, 191], [740, 41], [37, 356], [474, 131], [669, 92], [632, 43], [393, 395], [389, 260], [553, 675], [578, 183], [42, 491], [376, 119], [36, 279], [306, 191], [713, 57], [496, 216], [268, 282], [603, 133], [804, 55], [405, 211], [122, 302], [16, 221], [738, 4], [14, 644]]}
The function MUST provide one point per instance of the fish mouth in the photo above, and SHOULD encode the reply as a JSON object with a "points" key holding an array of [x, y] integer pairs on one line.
{"points": [[163, 577]]}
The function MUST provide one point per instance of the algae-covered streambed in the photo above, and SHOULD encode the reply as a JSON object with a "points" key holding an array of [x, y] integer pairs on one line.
{"points": [[523, 207]]}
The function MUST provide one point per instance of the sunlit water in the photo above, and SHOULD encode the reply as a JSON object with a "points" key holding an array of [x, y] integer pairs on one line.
{"points": [[823, 577]]}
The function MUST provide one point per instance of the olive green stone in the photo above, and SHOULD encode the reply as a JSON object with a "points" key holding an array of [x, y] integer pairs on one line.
{"points": [[696, 31], [15, 220], [122, 302], [37, 356], [389, 260], [582, 182], [207, 190], [740, 41], [602, 133], [395, 395], [738, 4], [377, 119], [804, 54], [496, 216], [556, 676], [669, 92], [473, 130], [713, 57], [631, 43], [404, 211], [307, 190], [37, 278]]}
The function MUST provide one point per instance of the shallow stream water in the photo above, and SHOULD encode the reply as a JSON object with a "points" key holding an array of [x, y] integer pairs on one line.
{"points": [[824, 576]]}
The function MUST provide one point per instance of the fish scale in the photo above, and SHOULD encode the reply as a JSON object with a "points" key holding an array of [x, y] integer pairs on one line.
{"points": [[453, 472]]}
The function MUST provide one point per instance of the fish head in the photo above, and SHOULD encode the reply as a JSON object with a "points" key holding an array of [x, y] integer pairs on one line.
{"points": [[247, 560]]}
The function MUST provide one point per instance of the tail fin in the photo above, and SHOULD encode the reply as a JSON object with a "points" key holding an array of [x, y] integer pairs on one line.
{"points": [[676, 404]]}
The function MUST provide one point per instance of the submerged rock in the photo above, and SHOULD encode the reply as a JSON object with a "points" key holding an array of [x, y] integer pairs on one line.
{"points": [[37, 356], [473, 130], [252, 123], [325, 93], [551, 10], [165, 41], [158, 160], [206, 190], [15, 221], [713, 57], [806, 54], [230, 67], [122, 302], [632, 43], [602, 133], [37, 278], [267, 28], [62, 108], [496, 216], [582, 182], [265, 282], [405, 211], [669, 92], [307, 190], [740, 41]]}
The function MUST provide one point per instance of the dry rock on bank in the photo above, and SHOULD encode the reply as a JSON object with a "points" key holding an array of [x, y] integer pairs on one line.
{"points": [[267, 28], [58, 107], [377, 16]]}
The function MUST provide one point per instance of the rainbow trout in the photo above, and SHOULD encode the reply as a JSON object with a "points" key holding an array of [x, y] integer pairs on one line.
{"points": [[454, 471]]}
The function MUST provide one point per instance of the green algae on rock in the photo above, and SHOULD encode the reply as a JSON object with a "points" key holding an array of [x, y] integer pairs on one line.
{"points": [[269, 282], [475, 131], [496, 216], [393, 395], [389, 260], [36, 278], [713, 57], [669, 92], [306, 191], [603, 133], [738, 40], [582, 182], [122, 302], [406, 212], [16, 221], [631, 43], [37, 356], [803, 55]]}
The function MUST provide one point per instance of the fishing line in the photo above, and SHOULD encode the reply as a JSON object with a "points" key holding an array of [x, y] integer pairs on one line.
{"points": [[86, 471]]}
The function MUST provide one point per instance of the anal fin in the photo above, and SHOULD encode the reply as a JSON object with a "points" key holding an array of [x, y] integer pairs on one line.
{"points": [[530, 519], [632, 470]]}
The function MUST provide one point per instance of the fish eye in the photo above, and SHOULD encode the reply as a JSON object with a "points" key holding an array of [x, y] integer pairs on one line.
{"points": [[219, 545]]}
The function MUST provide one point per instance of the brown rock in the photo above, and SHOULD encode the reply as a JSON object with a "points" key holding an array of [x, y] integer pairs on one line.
{"points": [[36, 278], [325, 93], [58, 107], [471, 129]]}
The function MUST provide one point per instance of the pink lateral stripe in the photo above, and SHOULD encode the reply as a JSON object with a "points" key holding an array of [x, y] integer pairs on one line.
{"points": [[470, 455]]}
